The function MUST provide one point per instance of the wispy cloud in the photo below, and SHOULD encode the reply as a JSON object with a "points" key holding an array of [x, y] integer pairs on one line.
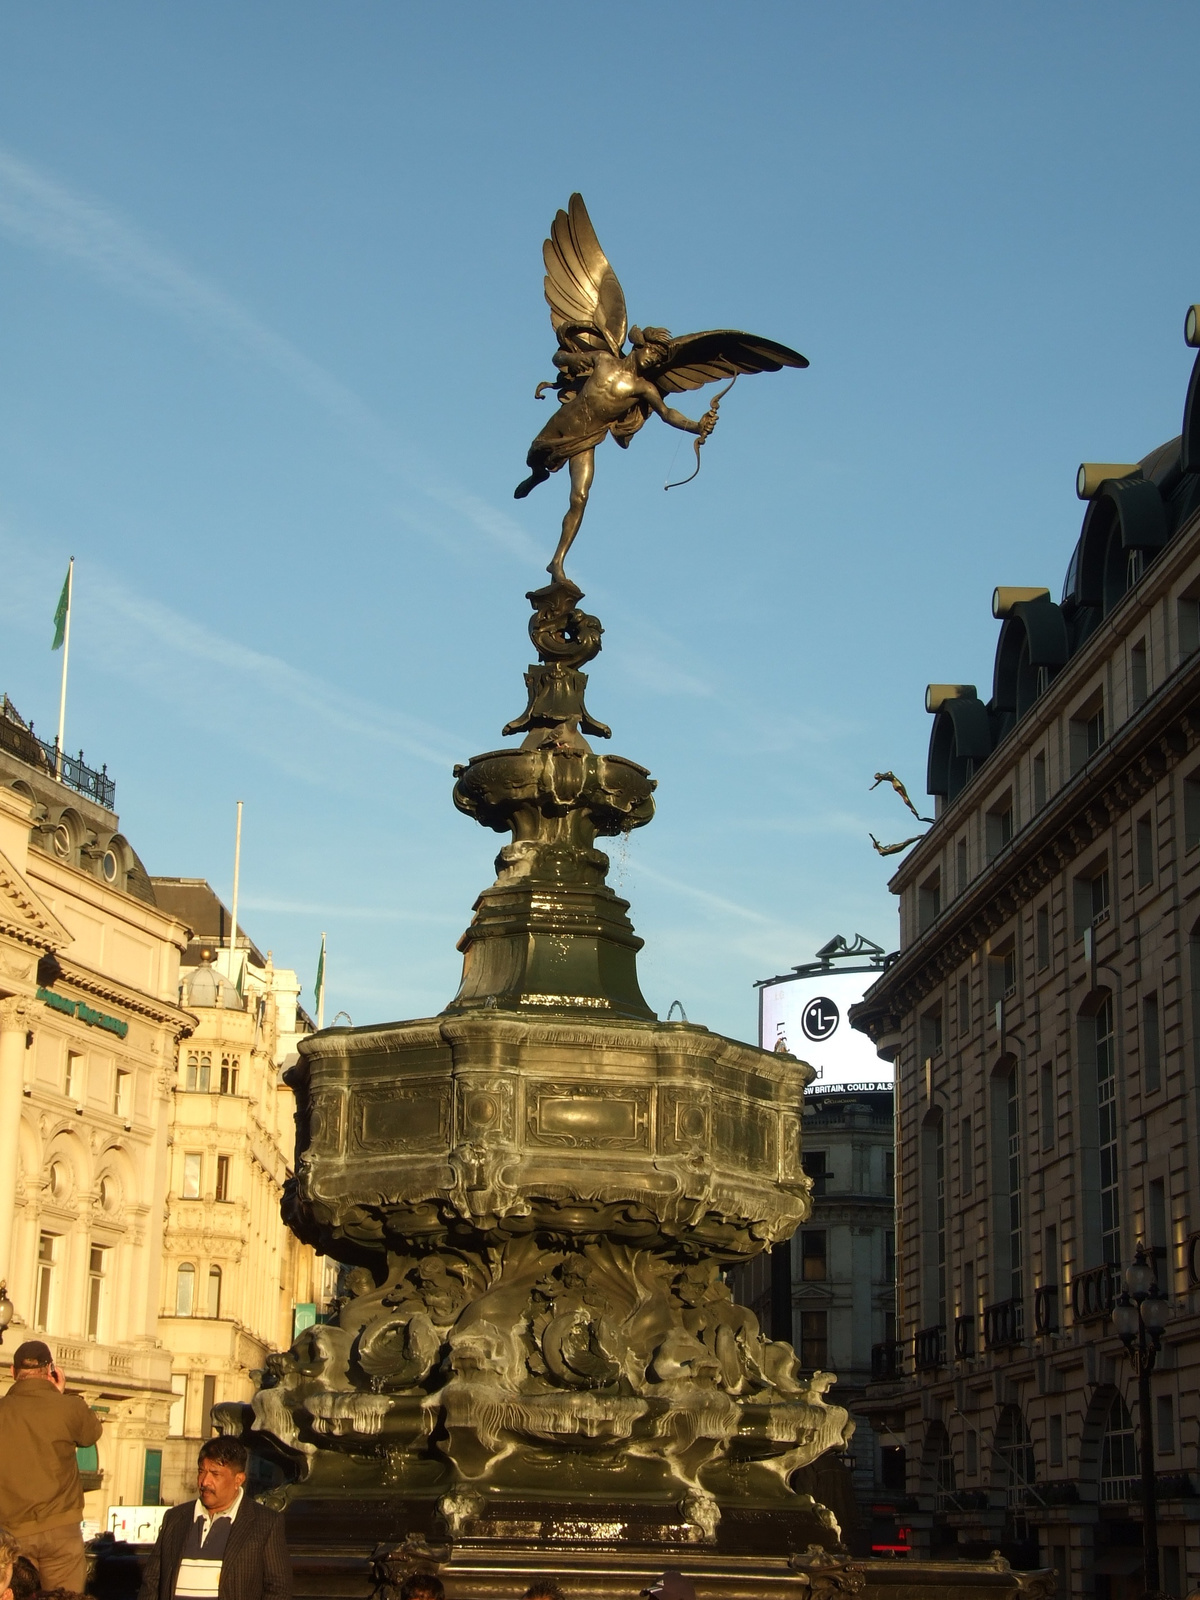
{"points": [[43, 213], [336, 913]]}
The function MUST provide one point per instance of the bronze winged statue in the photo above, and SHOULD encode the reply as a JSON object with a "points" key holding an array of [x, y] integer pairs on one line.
{"points": [[602, 387]]}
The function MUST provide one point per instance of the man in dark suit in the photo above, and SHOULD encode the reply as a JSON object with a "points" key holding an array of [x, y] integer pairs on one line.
{"points": [[222, 1545]]}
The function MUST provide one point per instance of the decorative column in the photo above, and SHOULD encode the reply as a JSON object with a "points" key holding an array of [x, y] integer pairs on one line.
{"points": [[14, 1021]]}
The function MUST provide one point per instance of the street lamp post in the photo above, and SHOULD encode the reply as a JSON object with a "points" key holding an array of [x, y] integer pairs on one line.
{"points": [[1140, 1315], [6, 1309]]}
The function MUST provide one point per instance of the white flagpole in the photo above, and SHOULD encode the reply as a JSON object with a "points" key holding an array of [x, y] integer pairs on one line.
{"points": [[237, 872], [62, 699]]}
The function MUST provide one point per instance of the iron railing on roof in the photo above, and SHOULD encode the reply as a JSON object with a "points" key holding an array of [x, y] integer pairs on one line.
{"points": [[21, 741]]}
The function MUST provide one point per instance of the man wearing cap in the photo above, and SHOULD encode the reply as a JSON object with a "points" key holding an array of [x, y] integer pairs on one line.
{"points": [[41, 1496]]}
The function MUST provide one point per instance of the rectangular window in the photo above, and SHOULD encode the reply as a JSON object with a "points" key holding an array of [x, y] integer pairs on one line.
{"points": [[998, 825], [1189, 627], [1039, 780], [1086, 733], [44, 1304], [73, 1076], [177, 1416], [1056, 1439], [1050, 1261], [120, 1101], [1091, 900], [929, 901], [1173, 1570], [972, 1453], [931, 1034], [1049, 1107], [966, 1155], [1157, 1228], [1042, 937], [95, 1289], [814, 1340], [813, 1262], [1164, 1423], [1144, 851], [229, 1074], [964, 1006], [191, 1176], [152, 1478], [1151, 1046], [1002, 975], [1106, 1107], [222, 1191], [1139, 677], [813, 1162], [1191, 813], [960, 866]]}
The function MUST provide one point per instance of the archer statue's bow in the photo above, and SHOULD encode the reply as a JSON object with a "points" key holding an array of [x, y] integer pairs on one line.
{"points": [[710, 417]]}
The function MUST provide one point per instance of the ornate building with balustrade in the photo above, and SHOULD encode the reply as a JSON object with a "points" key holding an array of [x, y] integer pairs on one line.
{"points": [[234, 1281], [90, 1022], [1043, 1016]]}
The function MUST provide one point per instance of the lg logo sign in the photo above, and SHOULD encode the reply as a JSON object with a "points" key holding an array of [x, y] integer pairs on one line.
{"points": [[819, 1019]]}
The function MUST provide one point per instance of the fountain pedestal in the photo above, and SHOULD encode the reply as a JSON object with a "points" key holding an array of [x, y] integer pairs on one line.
{"points": [[536, 1362]]}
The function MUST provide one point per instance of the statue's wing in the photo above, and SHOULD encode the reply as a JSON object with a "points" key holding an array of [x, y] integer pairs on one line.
{"points": [[587, 304], [700, 358]]}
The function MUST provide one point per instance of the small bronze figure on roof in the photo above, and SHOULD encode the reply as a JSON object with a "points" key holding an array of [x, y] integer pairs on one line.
{"points": [[602, 387]]}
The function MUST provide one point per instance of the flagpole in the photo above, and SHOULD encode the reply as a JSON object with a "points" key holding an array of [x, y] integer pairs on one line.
{"points": [[62, 699], [321, 993], [237, 872]]}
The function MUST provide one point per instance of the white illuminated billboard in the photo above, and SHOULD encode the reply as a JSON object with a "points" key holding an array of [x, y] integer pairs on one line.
{"points": [[810, 1015]]}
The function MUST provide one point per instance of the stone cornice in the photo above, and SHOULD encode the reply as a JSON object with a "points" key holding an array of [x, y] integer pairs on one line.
{"points": [[1143, 750], [165, 1013]]}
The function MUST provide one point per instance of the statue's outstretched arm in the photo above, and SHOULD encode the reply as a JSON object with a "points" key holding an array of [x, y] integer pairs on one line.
{"points": [[669, 414]]}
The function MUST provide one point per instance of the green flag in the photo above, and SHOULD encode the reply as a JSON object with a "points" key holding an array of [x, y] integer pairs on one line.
{"points": [[319, 986], [60, 613]]}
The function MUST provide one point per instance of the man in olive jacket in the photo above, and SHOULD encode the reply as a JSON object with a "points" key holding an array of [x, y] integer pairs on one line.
{"points": [[222, 1545], [41, 1496]]}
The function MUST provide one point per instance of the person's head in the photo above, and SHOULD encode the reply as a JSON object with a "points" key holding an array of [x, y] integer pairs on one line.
{"points": [[651, 346], [32, 1360], [26, 1581], [10, 1554], [422, 1586], [220, 1473], [672, 1586], [543, 1589]]}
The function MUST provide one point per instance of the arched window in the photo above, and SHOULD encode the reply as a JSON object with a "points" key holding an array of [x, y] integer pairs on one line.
{"points": [[230, 1066], [199, 1070], [1119, 1472], [185, 1289], [214, 1291]]}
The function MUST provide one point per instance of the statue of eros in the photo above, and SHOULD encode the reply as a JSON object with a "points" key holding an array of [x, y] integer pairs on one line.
{"points": [[603, 388]]}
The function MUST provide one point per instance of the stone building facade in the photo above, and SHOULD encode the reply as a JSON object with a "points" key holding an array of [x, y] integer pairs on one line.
{"points": [[90, 1022], [830, 1290], [233, 1280], [1043, 1017]]}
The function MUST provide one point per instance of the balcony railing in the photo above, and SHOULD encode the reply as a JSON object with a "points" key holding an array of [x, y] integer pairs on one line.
{"points": [[961, 1500], [887, 1361], [1168, 1486], [929, 1348], [1045, 1309], [1004, 1324], [22, 742], [1094, 1293], [964, 1337]]}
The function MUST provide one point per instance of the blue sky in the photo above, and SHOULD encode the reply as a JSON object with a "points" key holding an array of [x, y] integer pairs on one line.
{"points": [[270, 323]]}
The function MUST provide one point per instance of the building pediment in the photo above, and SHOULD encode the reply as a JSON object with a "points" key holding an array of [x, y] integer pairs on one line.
{"points": [[24, 916]]}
